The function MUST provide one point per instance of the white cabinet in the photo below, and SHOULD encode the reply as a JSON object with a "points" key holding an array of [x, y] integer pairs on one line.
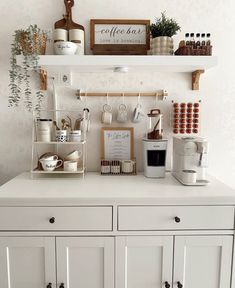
{"points": [[202, 261], [85, 262], [144, 261], [27, 262]]}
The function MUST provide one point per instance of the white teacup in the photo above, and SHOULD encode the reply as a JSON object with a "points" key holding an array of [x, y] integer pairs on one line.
{"points": [[127, 166], [50, 165], [74, 155], [52, 157], [70, 166]]}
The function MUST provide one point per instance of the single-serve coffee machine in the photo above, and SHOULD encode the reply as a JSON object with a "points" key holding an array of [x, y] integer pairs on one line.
{"points": [[190, 160], [154, 157]]}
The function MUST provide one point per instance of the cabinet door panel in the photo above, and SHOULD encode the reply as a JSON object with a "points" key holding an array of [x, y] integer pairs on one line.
{"points": [[27, 262], [203, 261], [143, 261], [85, 262]]}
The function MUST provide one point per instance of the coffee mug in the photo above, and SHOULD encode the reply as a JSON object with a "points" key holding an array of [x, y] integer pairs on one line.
{"points": [[138, 114], [74, 155], [52, 157], [127, 166], [50, 165], [122, 114], [189, 176], [107, 116], [71, 166], [61, 136], [75, 136]]}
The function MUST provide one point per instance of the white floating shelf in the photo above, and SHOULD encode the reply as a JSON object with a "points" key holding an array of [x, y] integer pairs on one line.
{"points": [[79, 171], [90, 63], [59, 143]]}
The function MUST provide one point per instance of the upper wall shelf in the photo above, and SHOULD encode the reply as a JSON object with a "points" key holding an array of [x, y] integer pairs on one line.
{"points": [[108, 63]]}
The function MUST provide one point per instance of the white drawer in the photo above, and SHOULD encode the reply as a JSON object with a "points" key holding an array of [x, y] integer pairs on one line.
{"points": [[134, 218], [56, 218]]}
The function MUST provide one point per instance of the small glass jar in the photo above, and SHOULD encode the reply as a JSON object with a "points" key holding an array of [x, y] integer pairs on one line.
{"points": [[155, 130]]}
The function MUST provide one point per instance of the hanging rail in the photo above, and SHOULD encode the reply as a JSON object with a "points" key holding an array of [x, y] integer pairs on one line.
{"points": [[160, 93]]}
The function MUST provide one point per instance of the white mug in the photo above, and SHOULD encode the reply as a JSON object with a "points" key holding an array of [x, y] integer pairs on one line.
{"points": [[189, 176], [107, 116], [71, 166], [127, 166], [75, 136], [50, 165], [138, 114], [122, 115]]}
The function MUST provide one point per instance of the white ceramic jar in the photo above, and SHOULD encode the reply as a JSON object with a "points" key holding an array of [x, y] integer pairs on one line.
{"points": [[60, 35], [43, 130], [77, 36]]}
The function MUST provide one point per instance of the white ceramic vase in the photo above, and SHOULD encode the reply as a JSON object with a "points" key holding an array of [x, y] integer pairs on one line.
{"points": [[162, 45]]}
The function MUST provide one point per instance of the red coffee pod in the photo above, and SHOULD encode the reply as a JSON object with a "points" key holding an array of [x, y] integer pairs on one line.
{"points": [[176, 131], [195, 130], [176, 105], [188, 131], [195, 115], [189, 110], [189, 120], [182, 131], [189, 126], [195, 126], [190, 105], [176, 115], [176, 121], [182, 105], [183, 110], [182, 121], [176, 126], [182, 126], [183, 116], [189, 115], [196, 110], [195, 121], [177, 110], [196, 105]]}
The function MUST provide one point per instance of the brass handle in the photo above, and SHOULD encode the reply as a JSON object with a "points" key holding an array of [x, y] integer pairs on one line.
{"points": [[179, 285], [167, 285], [52, 220], [177, 219]]}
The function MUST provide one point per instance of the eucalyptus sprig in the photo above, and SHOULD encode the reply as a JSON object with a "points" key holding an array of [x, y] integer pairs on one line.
{"points": [[164, 26], [29, 44]]}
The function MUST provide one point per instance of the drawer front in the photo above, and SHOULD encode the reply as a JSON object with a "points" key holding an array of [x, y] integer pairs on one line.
{"points": [[137, 218], [56, 218]]}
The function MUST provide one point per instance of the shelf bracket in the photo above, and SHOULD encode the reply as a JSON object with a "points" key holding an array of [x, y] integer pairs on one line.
{"points": [[196, 78], [43, 79]]}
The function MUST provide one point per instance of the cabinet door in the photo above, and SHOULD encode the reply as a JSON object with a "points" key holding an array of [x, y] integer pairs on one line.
{"points": [[27, 262], [85, 262], [144, 261], [203, 261]]}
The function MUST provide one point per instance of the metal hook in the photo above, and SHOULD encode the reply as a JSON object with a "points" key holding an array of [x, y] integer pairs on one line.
{"points": [[107, 98], [123, 98], [156, 98], [139, 98]]}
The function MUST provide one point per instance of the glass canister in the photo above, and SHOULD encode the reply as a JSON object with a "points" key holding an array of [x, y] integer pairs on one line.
{"points": [[155, 130]]}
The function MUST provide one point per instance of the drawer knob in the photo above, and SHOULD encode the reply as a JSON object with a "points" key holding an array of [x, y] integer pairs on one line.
{"points": [[167, 285], [52, 220], [49, 285], [179, 285], [61, 285], [177, 219]]}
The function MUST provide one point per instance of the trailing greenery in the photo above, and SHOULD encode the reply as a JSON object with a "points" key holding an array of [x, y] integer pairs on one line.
{"points": [[27, 43], [164, 27]]}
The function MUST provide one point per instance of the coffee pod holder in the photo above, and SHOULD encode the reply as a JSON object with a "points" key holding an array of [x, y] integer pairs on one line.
{"points": [[118, 167]]}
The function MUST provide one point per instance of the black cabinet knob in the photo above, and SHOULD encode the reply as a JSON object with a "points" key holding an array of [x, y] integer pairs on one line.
{"points": [[61, 285], [179, 285], [177, 219], [52, 220], [49, 285], [167, 285]]}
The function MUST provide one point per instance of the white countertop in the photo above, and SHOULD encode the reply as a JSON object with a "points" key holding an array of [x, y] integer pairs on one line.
{"points": [[107, 190]]}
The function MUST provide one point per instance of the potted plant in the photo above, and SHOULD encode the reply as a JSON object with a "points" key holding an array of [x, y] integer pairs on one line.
{"points": [[30, 43], [161, 32]]}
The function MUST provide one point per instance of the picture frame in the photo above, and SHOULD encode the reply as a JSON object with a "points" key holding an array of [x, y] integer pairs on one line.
{"points": [[119, 36], [117, 143]]}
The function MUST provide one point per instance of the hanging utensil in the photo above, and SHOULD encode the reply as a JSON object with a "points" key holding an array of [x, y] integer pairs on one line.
{"points": [[55, 124]]}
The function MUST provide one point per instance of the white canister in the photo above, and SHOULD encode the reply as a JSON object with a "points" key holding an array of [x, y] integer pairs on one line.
{"points": [[61, 136], [43, 130], [75, 136], [60, 35], [78, 36]]}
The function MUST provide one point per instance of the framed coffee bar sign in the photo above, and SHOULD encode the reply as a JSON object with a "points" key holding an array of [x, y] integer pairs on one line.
{"points": [[119, 37]]}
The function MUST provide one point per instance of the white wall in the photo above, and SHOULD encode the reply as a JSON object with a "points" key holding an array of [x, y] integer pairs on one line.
{"points": [[217, 86]]}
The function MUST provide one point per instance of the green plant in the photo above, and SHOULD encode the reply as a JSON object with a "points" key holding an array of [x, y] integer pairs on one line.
{"points": [[164, 26], [30, 43]]}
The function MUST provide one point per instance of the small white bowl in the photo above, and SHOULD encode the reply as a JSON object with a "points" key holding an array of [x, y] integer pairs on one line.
{"points": [[65, 48]]}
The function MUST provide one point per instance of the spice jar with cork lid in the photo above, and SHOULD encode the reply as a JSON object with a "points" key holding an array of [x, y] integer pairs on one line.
{"points": [[155, 130]]}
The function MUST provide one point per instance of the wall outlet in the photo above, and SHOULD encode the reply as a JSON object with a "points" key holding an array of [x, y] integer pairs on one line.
{"points": [[61, 79]]}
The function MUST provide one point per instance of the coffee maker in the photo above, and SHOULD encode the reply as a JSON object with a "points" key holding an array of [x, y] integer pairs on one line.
{"points": [[190, 160], [154, 157]]}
